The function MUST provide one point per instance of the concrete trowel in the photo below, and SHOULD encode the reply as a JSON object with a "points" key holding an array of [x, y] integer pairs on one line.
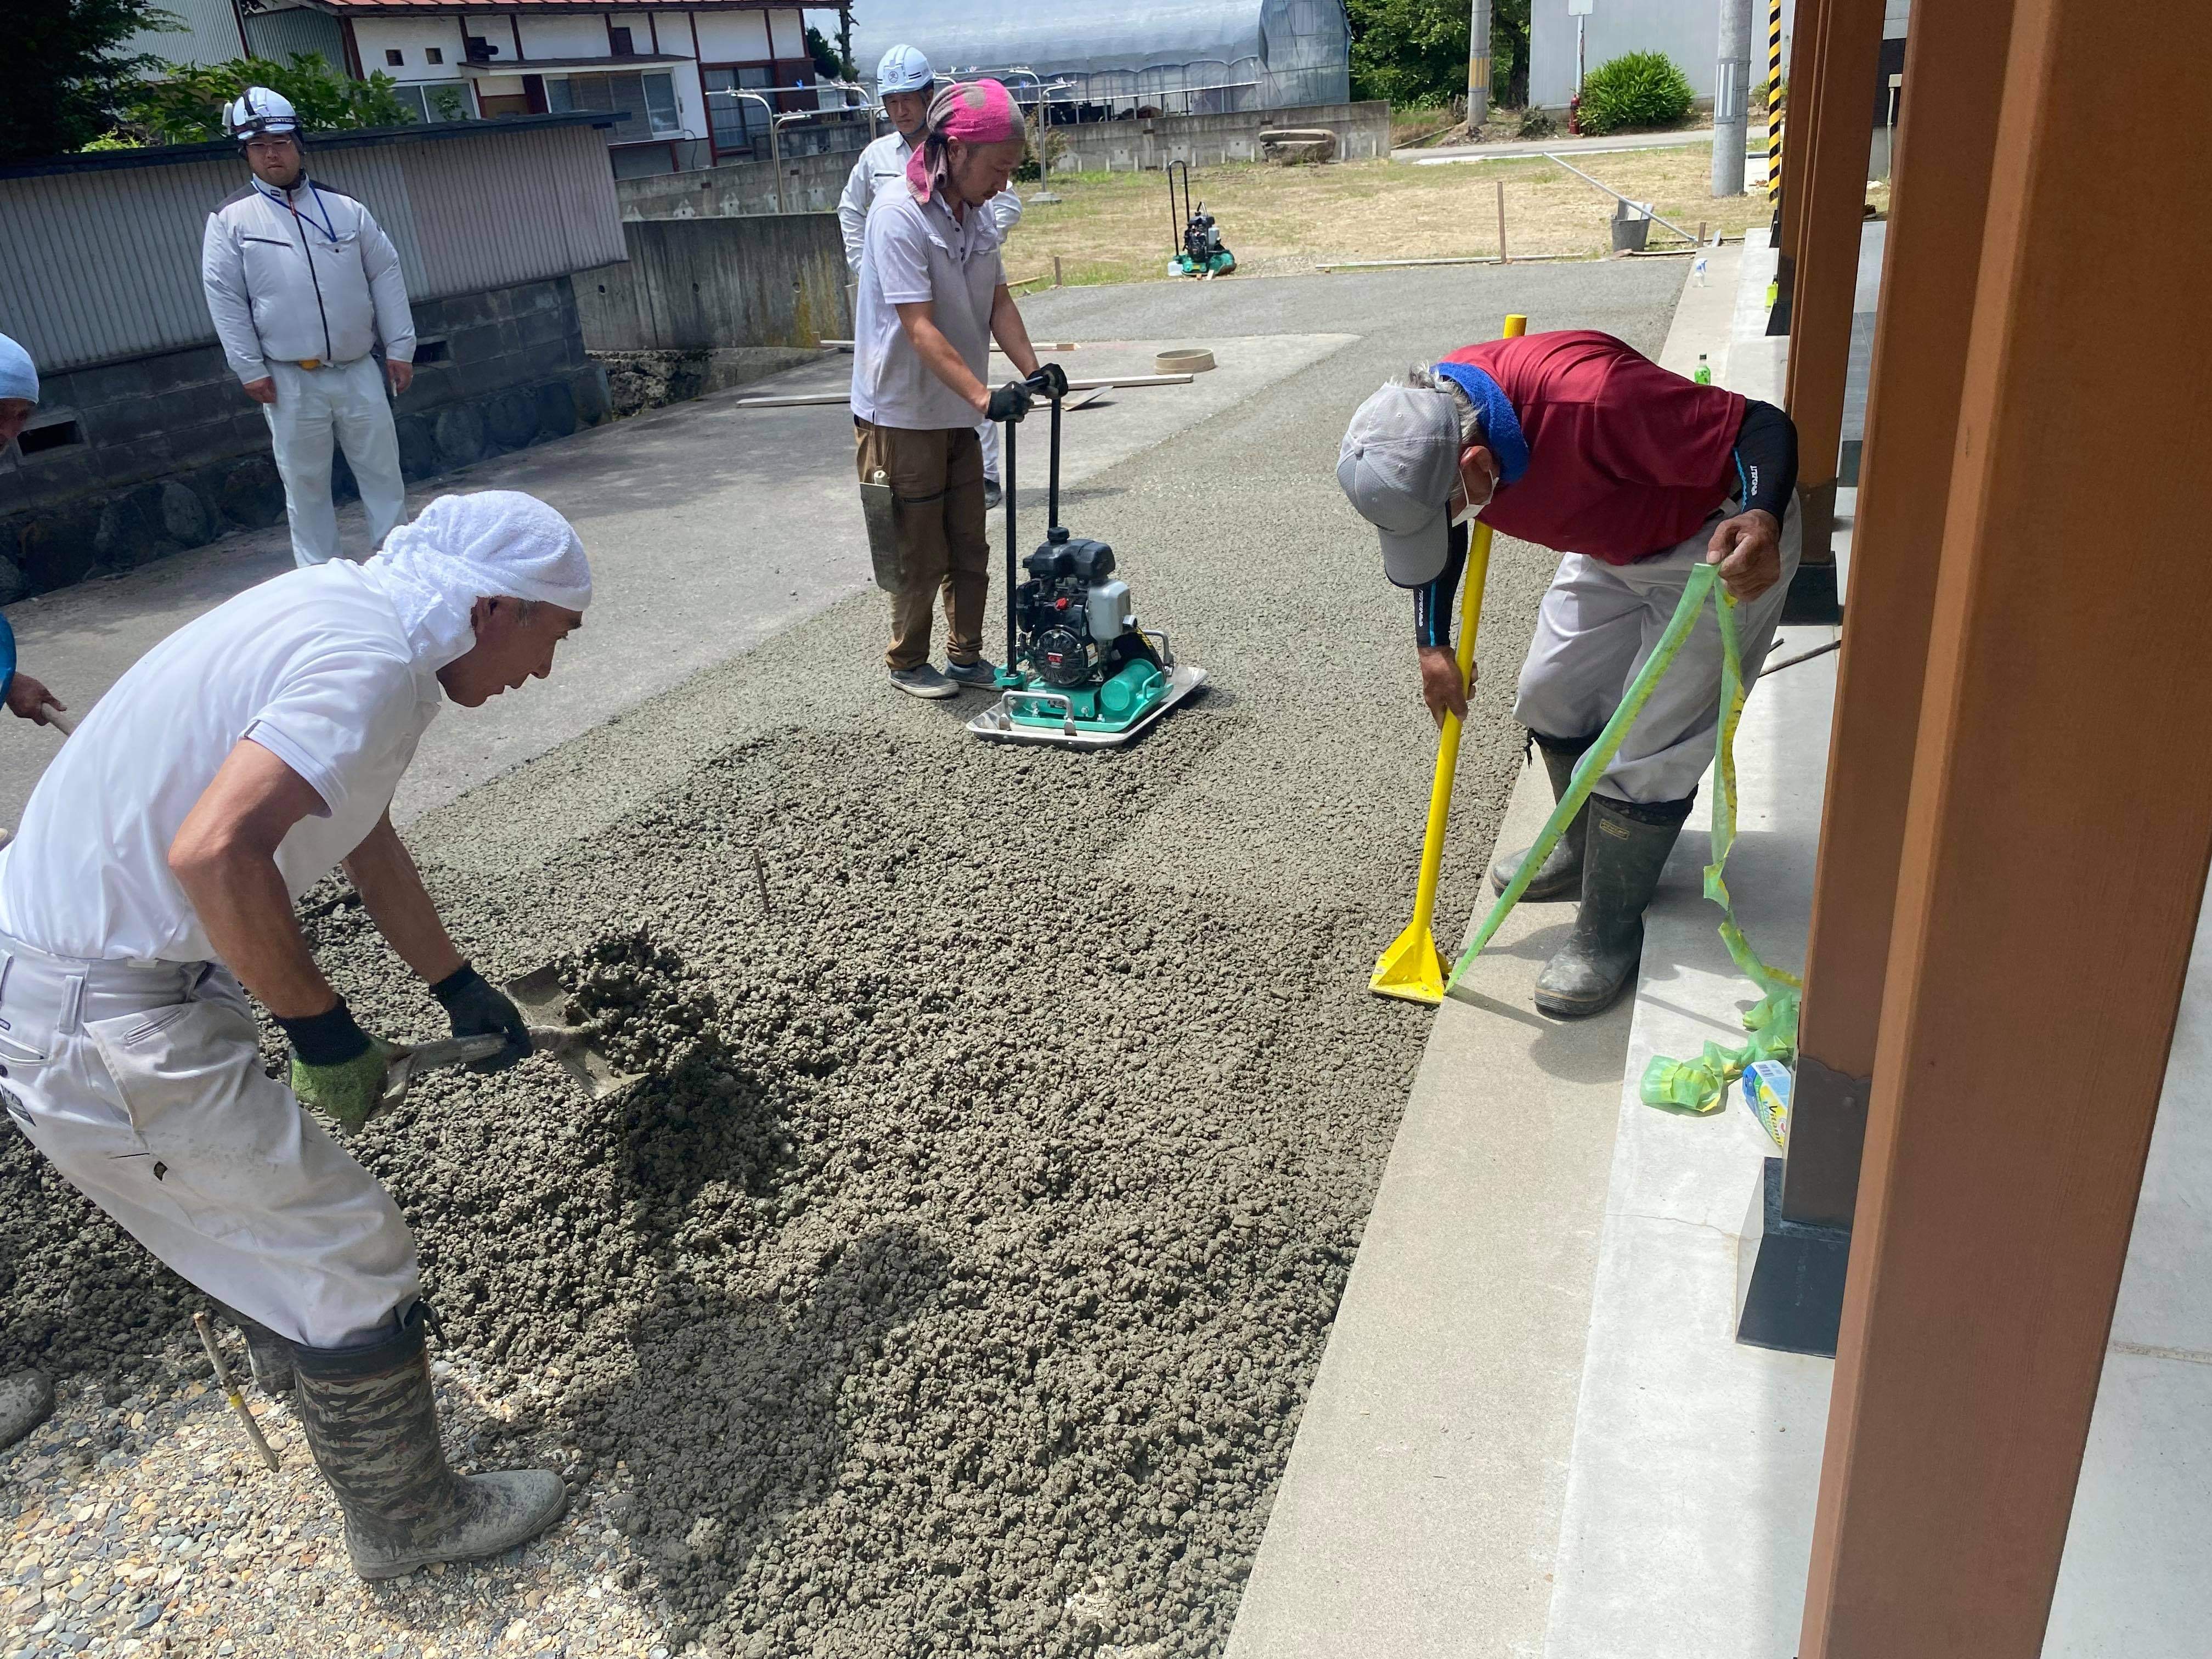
{"points": [[542, 999]]}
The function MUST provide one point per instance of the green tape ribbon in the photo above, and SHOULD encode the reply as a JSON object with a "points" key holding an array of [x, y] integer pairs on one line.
{"points": [[1697, 1086]]}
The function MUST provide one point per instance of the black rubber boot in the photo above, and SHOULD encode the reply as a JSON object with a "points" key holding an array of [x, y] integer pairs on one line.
{"points": [[1626, 849], [268, 1355], [371, 1423], [1561, 877]]}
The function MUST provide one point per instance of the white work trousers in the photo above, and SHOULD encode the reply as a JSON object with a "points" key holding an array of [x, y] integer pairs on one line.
{"points": [[313, 405], [143, 1083], [986, 433], [1597, 624]]}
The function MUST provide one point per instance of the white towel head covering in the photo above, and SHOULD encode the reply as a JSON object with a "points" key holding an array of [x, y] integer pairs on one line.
{"points": [[19, 375], [495, 544]]}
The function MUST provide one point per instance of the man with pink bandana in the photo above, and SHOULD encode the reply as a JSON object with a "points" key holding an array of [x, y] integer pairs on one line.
{"points": [[933, 298]]}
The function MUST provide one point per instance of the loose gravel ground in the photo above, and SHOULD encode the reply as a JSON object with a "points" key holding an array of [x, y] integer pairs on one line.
{"points": [[952, 1283]]}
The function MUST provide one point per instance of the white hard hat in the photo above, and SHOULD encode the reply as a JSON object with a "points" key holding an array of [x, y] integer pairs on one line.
{"points": [[259, 110], [904, 68]]}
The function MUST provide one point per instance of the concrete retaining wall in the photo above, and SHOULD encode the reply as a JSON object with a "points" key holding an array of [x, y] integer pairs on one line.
{"points": [[1363, 133], [811, 184], [695, 284], [172, 454]]}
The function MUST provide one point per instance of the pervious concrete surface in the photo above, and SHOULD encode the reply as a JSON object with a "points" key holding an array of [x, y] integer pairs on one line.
{"points": [[953, 1283]]}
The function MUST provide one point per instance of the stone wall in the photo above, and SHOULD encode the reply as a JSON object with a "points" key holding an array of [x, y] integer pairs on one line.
{"points": [[699, 284], [1363, 133], [811, 184], [172, 454]]}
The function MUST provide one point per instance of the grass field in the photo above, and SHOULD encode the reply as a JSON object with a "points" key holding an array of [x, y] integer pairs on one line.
{"points": [[1114, 226]]}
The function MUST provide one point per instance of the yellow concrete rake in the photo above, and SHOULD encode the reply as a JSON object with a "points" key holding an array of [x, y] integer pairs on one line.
{"points": [[1413, 969]]}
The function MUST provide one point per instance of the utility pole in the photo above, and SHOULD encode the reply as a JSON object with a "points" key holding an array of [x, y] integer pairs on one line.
{"points": [[1731, 92], [1478, 65]]}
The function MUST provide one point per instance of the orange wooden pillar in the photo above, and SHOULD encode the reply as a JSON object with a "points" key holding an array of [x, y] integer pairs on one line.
{"points": [[1835, 136], [1946, 149], [2054, 858]]}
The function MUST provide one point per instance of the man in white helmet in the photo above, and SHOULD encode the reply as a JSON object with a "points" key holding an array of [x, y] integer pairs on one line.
{"points": [[152, 885], [302, 283], [905, 83]]}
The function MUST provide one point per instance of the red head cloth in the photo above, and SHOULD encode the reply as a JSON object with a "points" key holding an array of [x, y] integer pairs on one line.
{"points": [[974, 112]]}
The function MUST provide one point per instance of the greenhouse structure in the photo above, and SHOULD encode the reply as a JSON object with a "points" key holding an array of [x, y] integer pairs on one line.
{"points": [[1112, 59]]}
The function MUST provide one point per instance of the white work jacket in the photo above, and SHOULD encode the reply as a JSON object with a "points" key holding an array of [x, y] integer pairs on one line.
{"points": [[881, 163], [302, 277]]}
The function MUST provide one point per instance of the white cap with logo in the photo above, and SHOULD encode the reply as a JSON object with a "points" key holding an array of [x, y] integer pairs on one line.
{"points": [[1398, 465]]}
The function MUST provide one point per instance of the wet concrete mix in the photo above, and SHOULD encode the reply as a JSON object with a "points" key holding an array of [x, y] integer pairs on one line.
{"points": [[953, 1281]]}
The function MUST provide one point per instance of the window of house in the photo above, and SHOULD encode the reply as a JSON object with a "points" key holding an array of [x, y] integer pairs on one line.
{"points": [[738, 125], [393, 58], [649, 102], [481, 49], [433, 54], [619, 39], [436, 100]]}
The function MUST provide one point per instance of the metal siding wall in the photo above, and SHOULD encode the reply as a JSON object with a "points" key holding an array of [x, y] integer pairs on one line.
{"points": [[495, 208], [275, 35], [95, 266]]}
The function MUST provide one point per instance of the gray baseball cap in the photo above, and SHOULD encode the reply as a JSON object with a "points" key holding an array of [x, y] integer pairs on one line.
{"points": [[1399, 464]]}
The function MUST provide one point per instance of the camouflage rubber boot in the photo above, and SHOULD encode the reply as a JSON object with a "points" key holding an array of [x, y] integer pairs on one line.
{"points": [[1561, 877], [268, 1355], [371, 1423], [1629, 844], [26, 1400]]}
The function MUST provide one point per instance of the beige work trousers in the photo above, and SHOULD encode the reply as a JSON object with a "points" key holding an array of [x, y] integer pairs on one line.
{"points": [[937, 477]]}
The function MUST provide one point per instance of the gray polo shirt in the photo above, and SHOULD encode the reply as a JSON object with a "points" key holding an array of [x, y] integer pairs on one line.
{"points": [[914, 251]]}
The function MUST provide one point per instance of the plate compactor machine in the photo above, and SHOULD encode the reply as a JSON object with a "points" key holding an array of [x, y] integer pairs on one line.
{"points": [[1080, 672], [1201, 254]]}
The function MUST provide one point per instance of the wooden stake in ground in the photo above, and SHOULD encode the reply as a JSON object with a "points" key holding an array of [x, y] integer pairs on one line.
{"points": [[1503, 259], [1055, 271]]}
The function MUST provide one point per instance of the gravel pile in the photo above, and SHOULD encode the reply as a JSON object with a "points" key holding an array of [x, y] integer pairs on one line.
{"points": [[952, 1283]]}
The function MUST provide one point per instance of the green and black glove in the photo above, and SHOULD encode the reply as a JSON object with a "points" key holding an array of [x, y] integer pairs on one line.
{"points": [[477, 1009], [337, 1068]]}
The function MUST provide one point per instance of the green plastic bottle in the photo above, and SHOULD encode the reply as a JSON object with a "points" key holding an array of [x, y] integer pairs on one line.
{"points": [[1704, 374]]}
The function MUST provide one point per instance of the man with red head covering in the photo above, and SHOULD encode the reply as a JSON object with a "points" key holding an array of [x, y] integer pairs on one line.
{"points": [[933, 298]]}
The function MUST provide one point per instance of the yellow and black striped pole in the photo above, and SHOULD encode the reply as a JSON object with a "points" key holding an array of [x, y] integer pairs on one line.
{"points": [[1774, 103]]}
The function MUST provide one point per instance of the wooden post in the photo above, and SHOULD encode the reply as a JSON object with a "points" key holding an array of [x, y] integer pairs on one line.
{"points": [[1945, 152], [1055, 270], [1503, 259], [2064, 753], [1834, 135]]}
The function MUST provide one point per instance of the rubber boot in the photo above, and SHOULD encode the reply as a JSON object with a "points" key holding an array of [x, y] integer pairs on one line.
{"points": [[1627, 850], [373, 1427], [1561, 877], [26, 1400], [268, 1355]]}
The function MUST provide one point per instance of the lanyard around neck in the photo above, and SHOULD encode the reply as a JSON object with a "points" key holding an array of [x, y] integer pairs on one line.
{"points": [[327, 225]]}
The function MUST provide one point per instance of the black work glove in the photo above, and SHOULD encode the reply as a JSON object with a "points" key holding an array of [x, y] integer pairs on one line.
{"points": [[1010, 402], [477, 1009], [1051, 380]]}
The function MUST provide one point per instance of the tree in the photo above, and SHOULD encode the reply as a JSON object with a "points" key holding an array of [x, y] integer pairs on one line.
{"points": [[829, 63], [187, 107], [1509, 53], [1412, 53], [64, 76]]}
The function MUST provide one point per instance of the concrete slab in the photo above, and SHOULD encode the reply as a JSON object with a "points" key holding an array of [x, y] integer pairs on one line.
{"points": [[1423, 1497], [1696, 1461], [2132, 1581], [743, 520]]}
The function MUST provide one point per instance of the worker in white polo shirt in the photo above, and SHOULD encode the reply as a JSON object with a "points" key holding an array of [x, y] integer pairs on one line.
{"points": [[154, 876], [302, 283], [933, 298], [903, 84]]}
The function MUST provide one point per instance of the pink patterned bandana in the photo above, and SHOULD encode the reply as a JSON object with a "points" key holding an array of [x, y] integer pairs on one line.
{"points": [[974, 112]]}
